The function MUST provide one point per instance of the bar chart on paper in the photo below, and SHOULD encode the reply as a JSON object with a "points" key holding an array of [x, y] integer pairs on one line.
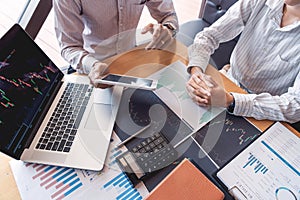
{"points": [[43, 182], [36, 181], [255, 164], [122, 187], [61, 182], [268, 169]]}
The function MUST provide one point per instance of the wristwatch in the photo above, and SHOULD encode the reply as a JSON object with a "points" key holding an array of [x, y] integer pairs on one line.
{"points": [[171, 27], [231, 106]]}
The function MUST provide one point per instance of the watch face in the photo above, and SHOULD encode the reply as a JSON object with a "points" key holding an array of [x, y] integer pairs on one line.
{"points": [[230, 108], [171, 27]]}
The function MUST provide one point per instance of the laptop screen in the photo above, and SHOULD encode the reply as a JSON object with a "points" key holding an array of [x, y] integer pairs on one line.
{"points": [[27, 80]]}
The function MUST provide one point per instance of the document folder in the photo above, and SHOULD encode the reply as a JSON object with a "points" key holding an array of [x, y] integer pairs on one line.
{"points": [[186, 182]]}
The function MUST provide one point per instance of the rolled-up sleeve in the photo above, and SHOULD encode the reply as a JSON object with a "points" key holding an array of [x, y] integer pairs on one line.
{"points": [[68, 29], [163, 11], [230, 25], [285, 107]]}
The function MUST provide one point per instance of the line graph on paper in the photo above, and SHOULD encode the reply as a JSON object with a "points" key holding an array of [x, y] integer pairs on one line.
{"points": [[225, 136]]}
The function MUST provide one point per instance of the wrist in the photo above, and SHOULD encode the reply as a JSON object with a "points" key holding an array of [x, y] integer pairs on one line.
{"points": [[87, 63], [230, 102], [171, 27], [195, 69]]}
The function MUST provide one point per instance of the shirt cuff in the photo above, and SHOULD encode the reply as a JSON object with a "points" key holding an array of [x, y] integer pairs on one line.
{"points": [[172, 19], [196, 59], [244, 104], [87, 63], [190, 68]]}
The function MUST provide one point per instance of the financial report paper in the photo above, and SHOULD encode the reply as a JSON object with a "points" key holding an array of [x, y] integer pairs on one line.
{"points": [[268, 169]]}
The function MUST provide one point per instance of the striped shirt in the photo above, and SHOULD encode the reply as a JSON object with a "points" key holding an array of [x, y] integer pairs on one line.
{"points": [[92, 30], [266, 59]]}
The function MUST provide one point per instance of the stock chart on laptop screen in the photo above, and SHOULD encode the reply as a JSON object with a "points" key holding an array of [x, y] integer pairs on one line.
{"points": [[27, 76]]}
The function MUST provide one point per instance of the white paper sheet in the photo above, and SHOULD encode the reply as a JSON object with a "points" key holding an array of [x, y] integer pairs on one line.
{"points": [[269, 169], [172, 90], [48, 182]]}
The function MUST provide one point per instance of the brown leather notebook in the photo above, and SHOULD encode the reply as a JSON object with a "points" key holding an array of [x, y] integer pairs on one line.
{"points": [[186, 182]]}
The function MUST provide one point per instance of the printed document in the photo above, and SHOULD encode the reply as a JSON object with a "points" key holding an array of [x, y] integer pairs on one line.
{"points": [[269, 169]]}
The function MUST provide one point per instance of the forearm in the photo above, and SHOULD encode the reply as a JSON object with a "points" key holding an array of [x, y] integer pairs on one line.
{"points": [[163, 11], [79, 59], [224, 29], [265, 106], [172, 18]]}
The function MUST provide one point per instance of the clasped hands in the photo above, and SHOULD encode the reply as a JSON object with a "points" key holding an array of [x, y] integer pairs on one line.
{"points": [[161, 37], [205, 91]]}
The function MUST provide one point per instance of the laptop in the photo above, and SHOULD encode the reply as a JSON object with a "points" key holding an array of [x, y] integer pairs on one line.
{"points": [[47, 117]]}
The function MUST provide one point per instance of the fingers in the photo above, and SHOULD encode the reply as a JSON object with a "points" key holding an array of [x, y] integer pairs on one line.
{"points": [[203, 89], [148, 28], [210, 81], [198, 90], [157, 29], [199, 81], [196, 96], [97, 72], [156, 39], [161, 37], [159, 43]]}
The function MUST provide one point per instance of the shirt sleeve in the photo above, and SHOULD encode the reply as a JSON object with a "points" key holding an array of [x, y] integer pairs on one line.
{"points": [[285, 107], [68, 28], [163, 11], [226, 28]]}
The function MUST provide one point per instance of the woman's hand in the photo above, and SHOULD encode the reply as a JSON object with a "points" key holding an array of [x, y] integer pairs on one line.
{"points": [[206, 92], [198, 87]]}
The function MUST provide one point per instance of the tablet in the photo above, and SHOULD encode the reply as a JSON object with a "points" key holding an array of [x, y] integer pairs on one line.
{"points": [[128, 81]]}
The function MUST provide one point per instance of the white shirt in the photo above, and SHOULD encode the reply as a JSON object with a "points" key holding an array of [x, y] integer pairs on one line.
{"points": [[266, 59], [92, 30]]}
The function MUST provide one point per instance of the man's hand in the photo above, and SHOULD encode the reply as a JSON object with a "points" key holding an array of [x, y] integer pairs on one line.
{"points": [[161, 36], [206, 92], [98, 70]]}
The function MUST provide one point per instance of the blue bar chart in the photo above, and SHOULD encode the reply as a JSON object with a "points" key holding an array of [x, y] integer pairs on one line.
{"points": [[124, 188], [256, 164], [61, 181], [36, 181], [115, 152]]}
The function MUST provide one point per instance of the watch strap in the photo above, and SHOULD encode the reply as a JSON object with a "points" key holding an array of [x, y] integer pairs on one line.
{"points": [[231, 106], [171, 27]]}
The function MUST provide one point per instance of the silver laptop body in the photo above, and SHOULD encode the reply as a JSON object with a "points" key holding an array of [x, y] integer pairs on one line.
{"points": [[30, 106]]}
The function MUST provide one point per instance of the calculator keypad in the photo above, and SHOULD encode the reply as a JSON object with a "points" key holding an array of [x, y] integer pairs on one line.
{"points": [[151, 154], [154, 153]]}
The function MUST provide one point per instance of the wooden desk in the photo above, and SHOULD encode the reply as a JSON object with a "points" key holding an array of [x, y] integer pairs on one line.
{"points": [[140, 62], [137, 62]]}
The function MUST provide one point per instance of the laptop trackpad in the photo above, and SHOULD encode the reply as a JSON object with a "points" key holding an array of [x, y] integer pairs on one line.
{"points": [[100, 117]]}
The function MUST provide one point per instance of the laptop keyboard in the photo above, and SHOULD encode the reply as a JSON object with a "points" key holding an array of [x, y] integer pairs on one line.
{"points": [[62, 127]]}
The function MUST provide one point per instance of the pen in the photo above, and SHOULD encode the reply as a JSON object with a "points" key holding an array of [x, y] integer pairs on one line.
{"points": [[134, 135]]}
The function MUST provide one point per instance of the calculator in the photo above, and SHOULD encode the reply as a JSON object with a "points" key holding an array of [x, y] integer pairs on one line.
{"points": [[148, 156]]}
